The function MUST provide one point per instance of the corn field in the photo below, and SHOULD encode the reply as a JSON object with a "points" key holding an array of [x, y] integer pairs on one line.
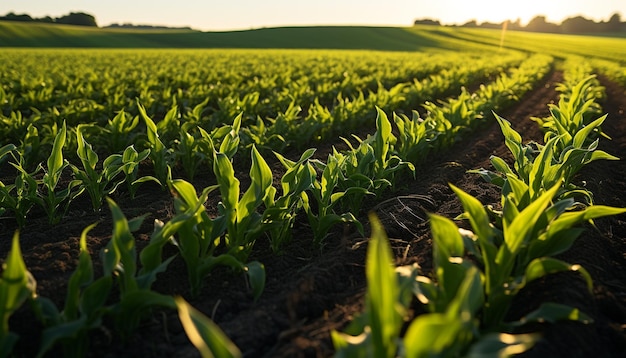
{"points": [[309, 203]]}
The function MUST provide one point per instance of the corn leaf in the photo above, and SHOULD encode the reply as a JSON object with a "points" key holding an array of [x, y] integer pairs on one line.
{"points": [[502, 345], [16, 286], [516, 233], [205, 335], [382, 293], [82, 276], [543, 266], [553, 312]]}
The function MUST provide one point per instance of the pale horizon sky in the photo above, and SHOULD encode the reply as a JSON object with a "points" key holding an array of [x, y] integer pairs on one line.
{"points": [[249, 14]]}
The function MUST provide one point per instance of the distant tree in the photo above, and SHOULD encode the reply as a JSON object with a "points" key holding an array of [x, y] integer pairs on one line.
{"points": [[74, 18], [579, 24], [15, 17], [615, 23], [515, 25], [77, 18], [539, 24], [491, 25], [427, 22], [46, 19], [471, 23]]}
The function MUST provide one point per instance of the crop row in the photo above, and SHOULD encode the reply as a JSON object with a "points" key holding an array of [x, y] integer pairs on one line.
{"points": [[272, 89], [191, 146], [612, 70], [327, 192], [477, 273]]}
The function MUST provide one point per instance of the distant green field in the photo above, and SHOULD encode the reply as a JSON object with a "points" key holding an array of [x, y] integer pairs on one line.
{"points": [[14, 34], [607, 47], [417, 38]]}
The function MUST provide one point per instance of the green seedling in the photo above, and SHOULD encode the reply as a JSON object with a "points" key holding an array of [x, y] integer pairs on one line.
{"points": [[17, 286], [98, 183], [280, 212], [160, 155], [119, 259], [199, 236], [241, 213], [55, 202], [321, 215]]}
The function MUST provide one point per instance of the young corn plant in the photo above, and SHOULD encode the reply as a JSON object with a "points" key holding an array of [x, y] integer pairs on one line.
{"points": [[169, 127], [229, 137], [451, 117], [56, 202], [371, 165], [30, 147], [241, 214], [455, 299], [119, 259], [466, 306], [237, 227], [376, 333], [160, 155], [352, 179], [84, 309], [520, 248], [280, 212], [120, 132], [98, 183], [386, 164], [17, 286], [537, 167], [193, 151], [414, 138], [151, 256], [272, 136], [199, 236], [130, 159], [4, 191], [20, 196], [577, 105], [319, 210]]}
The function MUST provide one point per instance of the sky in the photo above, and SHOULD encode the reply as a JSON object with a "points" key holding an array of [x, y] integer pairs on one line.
{"points": [[248, 14]]}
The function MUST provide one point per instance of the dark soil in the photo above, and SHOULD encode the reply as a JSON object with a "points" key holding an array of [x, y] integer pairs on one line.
{"points": [[312, 290]]}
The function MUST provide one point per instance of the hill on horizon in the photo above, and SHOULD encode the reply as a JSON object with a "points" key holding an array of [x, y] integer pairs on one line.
{"points": [[14, 34], [415, 38]]}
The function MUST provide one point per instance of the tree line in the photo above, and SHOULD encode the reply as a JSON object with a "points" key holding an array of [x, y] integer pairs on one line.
{"points": [[572, 25], [80, 19], [73, 18]]}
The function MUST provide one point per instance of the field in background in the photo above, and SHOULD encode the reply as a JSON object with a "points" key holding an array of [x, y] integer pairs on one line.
{"points": [[416, 38]]}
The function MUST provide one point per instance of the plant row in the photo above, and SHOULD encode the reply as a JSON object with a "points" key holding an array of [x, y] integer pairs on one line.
{"points": [[215, 86], [613, 70], [478, 272], [191, 146]]}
